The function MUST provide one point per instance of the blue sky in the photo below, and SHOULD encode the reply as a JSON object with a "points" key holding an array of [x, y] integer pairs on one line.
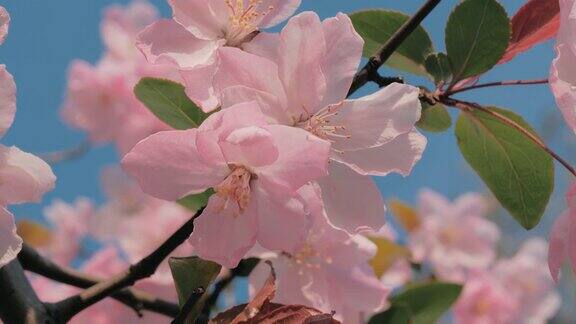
{"points": [[46, 36]]}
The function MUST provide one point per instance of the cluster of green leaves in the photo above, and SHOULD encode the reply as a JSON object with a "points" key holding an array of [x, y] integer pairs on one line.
{"points": [[519, 173]]}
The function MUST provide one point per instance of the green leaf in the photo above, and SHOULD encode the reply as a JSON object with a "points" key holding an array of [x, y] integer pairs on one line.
{"points": [[168, 101], [420, 304], [192, 273], [434, 118], [197, 201], [438, 65], [377, 26], [477, 35], [518, 172]]}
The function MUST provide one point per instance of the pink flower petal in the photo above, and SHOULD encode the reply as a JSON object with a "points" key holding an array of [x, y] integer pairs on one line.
{"points": [[343, 53], [303, 47], [279, 210], [250, 146], [269, 103], [10, 242], [302, 158], [378, 118], [264, 45], [4, 24], [222, 234], [199, 86], [352, 201], [559, 240], [7, 100], [168, 165], [238, 68], [220, 124], [281, 10], [199, 17], [25, 177], [166, 41], [562, 82], [399, 155]]}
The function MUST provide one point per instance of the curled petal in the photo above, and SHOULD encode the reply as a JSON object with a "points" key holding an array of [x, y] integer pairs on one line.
{"points": [[10, 242], [250, 146], [7, 100], [199, 86], [24, 177], [281, 10], [4, 24]]}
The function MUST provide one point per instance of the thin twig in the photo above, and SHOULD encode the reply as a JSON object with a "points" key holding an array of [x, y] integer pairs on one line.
{"points": [[189, 305], [67, 155], [464, 105], [18, 301], [497, 84], [138, 300], [369, 71], [67, 308]]}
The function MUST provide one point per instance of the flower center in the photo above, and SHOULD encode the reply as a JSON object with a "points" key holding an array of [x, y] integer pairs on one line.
{"points": [[308, 257], [236, 187], [244, 19], [321, 126]]}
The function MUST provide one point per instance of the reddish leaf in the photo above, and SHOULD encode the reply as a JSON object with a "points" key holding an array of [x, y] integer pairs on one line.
{"points": [[536, 22], [263, 297], [260, 310]]}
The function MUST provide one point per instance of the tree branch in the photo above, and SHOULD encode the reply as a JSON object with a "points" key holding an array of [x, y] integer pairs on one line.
{"points": [[370, 70], [18, 301], [68, 154], [497, 84], [66, 309], [138, 300]]}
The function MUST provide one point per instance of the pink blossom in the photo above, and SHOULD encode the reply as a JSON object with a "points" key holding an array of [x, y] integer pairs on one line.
{"points": [[329, 271], [130, 214], [69, 223], [25, 177], [301, 77], [454, 237], [100, 98], [526, 277], [199, 28], [484, 300], [563, 71], [562, 237], [254, 168]]}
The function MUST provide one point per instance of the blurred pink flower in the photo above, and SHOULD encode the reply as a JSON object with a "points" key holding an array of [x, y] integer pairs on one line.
{"points": [[484, 300], [254, 168], [527, 278], [25, 177], [563, 237], [454, 237], [70, 225], [199, 28], [129, 215], [563, 71], [329, 271], [301, 77], [100, 99], [400, 273]]}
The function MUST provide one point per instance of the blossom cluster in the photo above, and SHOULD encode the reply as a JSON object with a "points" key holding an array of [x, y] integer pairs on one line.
{"points": [[459, 244]]}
